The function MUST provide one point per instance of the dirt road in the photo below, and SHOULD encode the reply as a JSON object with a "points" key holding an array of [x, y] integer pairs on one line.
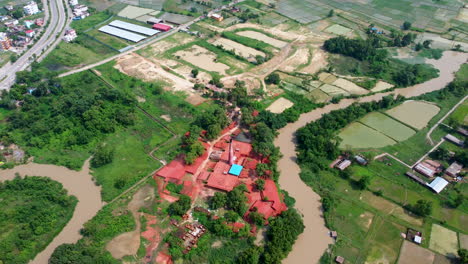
{"points": [[314, 241]]}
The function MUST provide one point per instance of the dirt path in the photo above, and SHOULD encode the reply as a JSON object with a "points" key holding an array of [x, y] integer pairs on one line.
{"points": [[314, 241], [78, 183]]}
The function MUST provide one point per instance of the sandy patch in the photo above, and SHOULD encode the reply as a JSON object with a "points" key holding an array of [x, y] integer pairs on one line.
{"points": [[299, 58], [217, 244], [128, 243], [351, 87], [251, 82], [139, 67], [278, 106], [381, 86], [202, 58], [413, 254], [463, 240], [367, 218], [319, 61], [262, 37], [166, 117], [239, 49]]}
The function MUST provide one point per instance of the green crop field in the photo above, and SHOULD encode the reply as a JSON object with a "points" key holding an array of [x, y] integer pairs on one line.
{"points": [[387, 126], [414, 113], [358, 135], [443, 240]]}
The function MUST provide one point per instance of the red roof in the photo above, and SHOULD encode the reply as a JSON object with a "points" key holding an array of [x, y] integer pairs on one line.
{"points": [[192, 169], [29, 31], [271, 192], [203, 176], [236, 226], [174, 170], [163, 258], [241, 148], [250, 164], [221, 181], [273, 206], [161, 27]]}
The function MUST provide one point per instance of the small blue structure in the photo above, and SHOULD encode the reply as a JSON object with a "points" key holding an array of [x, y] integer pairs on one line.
{"points": [[236, 170]]}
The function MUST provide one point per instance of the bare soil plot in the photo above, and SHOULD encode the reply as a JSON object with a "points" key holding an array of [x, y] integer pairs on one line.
{"points": [[381, 85], [439, 259], [278, 106], [202, 58], [319, 61], [351, 87], [262, 37], [463, 240], [127, 244], [444, 241], [413, 254], [333, 90], [139, 67], [338, 30], [239, 49], [163, 45], [327, 77], [299, 58], [387, 126], [416, 114], [357, 135], [134, 11]]}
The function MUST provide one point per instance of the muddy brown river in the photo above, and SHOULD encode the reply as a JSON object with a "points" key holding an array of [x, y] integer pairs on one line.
{"points": [[79, 184], [311, 244]]}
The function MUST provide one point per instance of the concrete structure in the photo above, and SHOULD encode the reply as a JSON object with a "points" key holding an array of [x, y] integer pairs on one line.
{"points": [[70, 35], [31, 8], [362, 161], [454, 169], [438, 184], [30, 33], [5, 42], [454, 140]]}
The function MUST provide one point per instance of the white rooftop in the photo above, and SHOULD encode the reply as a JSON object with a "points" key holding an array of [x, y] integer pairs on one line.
{"points": [[133, 27], [418, 239], [438, 184], [122, 33]]}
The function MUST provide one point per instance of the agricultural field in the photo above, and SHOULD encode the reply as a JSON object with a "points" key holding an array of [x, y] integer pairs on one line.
{"points": [[414, 113], [263, 38], [339, 30], [278, 106], [443, 241], [387, 126], [414, 254], [202, 58], [358, 135], [238, 48]]}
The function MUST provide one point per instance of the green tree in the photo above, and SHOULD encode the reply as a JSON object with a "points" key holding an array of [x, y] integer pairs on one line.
{"points": [[422, 208], [195, 73], [218, 200], [406, 25], [418, 47], [364, 182], [331, 13], [17, 14], [463, 255], [236, 199], [103, 155], [427, 43], [249, 256], [231, 216], [180, 206], [273, 78], [260, 184], [257, 218]]}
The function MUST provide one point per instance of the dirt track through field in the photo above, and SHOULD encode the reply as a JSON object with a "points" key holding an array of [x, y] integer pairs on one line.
{"points": [[314, 241]]}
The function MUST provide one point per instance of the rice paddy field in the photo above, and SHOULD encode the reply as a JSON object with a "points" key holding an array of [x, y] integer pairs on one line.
{"points": [[338, 30], [424, 14], [443, 240], [387, 126], [415, 114], [357, 135]]}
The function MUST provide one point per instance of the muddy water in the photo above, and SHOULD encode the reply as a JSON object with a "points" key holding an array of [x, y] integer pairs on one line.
{"points": [[79, 184], [314, 241]]}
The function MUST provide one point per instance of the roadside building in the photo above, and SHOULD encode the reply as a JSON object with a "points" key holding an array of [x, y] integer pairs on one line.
{"points": [[11, 23], [415, 178], [9, 7], [462, 131], [28, 23], [153, 20], [30, 33], [454, 140], [31, 8], [425, 169], [438, 184], [454, 169], [342, 165], [70, 35], [362, 161], [73, 2], [80, 11], [339, 260], [39, 22], [217, 17], [162, 27], [4, 18], [5, 42]]}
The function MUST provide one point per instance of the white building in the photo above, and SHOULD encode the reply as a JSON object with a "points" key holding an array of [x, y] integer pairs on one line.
{"points": [[31, 8], [73, 2], [70, 35], [438, 184]]}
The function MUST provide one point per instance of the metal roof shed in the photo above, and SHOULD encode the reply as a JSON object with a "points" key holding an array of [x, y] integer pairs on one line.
{"points": [[438, 184], [121, 33], [236, 169], [134, 28]]}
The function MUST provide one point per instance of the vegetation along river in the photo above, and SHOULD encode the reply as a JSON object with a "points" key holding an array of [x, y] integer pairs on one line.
{"points": [[311, 244], [78, 183]]}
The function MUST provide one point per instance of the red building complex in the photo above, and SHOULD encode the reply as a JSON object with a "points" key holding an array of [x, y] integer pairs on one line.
{"points": [[162, 27]]}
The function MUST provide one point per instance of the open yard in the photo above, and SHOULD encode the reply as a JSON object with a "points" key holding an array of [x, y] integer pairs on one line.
{"points": [[416, 114], [388, 126], [278, 106], [357, 135], [202, 58], [444, 241]]}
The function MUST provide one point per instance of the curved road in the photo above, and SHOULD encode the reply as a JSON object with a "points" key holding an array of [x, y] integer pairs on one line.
{"points": [[311, 244], [53, 31]]}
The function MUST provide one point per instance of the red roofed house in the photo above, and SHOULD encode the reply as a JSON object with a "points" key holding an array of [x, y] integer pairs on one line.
{"points": [[220, 178], [268, 202], [173, 172], [162, 27], [236, 227]]}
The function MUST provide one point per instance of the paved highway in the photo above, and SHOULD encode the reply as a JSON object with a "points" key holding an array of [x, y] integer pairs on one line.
{"points": [[53, 31]]}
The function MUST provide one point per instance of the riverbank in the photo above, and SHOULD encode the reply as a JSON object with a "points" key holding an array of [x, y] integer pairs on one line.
{"points": [[314, 241], [78, 184]]}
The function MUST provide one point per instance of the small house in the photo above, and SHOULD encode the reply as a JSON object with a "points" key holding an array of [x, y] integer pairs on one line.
{"points": [[425, 170], [454, 140], [454, 169], [360, 160], [339, 260], [28, 23], [342, 165], [217, 17], [153, 20], [462, 131], [438, 184], [162, 27], [30, 33]]}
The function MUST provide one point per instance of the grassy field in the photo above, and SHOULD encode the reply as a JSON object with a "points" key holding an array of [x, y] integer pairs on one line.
{"points": [[414, 113], [443, 240], [387, 126], [359, 136]]}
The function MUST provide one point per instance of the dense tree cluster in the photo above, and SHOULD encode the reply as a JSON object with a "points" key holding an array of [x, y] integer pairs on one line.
{"points": [[180, 206], [34, 210]]}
